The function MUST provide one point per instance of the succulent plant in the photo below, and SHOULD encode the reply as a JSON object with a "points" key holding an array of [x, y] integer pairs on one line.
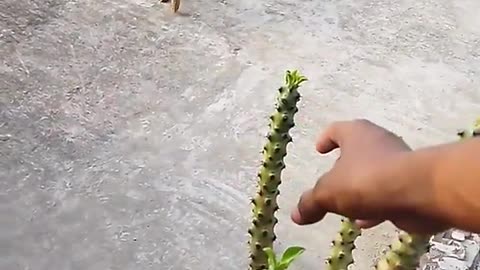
{"points": [[471, 132], [405, 252], [264, 203], [342, 246], [287, 258]]}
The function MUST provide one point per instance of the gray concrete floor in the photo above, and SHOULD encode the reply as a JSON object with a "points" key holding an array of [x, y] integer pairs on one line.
{"points": [[130, 137]]}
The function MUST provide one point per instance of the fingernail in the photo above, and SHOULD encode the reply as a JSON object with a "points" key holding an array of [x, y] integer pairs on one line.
{"points": [[359, 222], [295, 215]]}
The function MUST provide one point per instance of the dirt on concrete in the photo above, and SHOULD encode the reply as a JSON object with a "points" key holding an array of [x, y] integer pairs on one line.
{"points": [[130, 137]]}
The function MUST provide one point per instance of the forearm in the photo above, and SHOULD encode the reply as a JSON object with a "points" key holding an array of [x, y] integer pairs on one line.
{"points": [[454, 172]]}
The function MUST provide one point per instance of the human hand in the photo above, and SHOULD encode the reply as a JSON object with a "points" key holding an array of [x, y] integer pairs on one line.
{"points": [[369, 182]]}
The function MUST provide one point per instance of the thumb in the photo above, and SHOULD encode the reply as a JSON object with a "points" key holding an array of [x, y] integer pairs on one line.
{"points": [[313, 205]]}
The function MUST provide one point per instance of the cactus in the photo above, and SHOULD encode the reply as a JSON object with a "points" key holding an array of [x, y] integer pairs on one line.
{"points": [[405, 252], [468, 133], [264, 203], [342, 246]]}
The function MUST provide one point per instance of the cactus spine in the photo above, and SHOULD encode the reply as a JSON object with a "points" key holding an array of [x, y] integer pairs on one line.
{"points": [[406, 251], [469, 133], [342, 246], [264, 203]]}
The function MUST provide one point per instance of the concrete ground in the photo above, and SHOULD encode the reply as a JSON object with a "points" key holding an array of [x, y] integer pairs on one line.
{"points": [[130, 137]]}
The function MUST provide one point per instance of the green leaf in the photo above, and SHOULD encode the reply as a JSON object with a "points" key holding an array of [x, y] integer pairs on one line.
{"points": [[288, 78], [293, 78], [272, 260], [289, 256]]}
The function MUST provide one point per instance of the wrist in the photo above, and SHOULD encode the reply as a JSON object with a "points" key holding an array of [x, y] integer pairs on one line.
{"points": [[415, 171], [456, 186]]}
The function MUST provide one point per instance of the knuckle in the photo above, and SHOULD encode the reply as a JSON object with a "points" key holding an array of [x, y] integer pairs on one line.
{"points": [[337, 126], [333, 126], [362, 122]]}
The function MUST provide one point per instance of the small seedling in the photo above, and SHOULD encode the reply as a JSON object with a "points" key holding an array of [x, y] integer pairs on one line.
{"points": [[287, 258]]}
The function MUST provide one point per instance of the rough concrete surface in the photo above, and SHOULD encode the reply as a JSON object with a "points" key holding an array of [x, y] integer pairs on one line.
{"points": [[130, 136]]}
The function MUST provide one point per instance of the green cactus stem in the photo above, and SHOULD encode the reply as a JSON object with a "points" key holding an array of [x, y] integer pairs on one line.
{"points": [[406, 251], [342, 246], [264, 203], [472, 132]]}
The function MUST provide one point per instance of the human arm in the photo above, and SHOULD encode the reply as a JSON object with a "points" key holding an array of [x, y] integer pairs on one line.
{"points": [[378, 177], [454, 170]]}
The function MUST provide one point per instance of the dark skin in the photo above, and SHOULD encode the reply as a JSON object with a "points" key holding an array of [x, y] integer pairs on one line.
{"points": [[379, 178]]}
